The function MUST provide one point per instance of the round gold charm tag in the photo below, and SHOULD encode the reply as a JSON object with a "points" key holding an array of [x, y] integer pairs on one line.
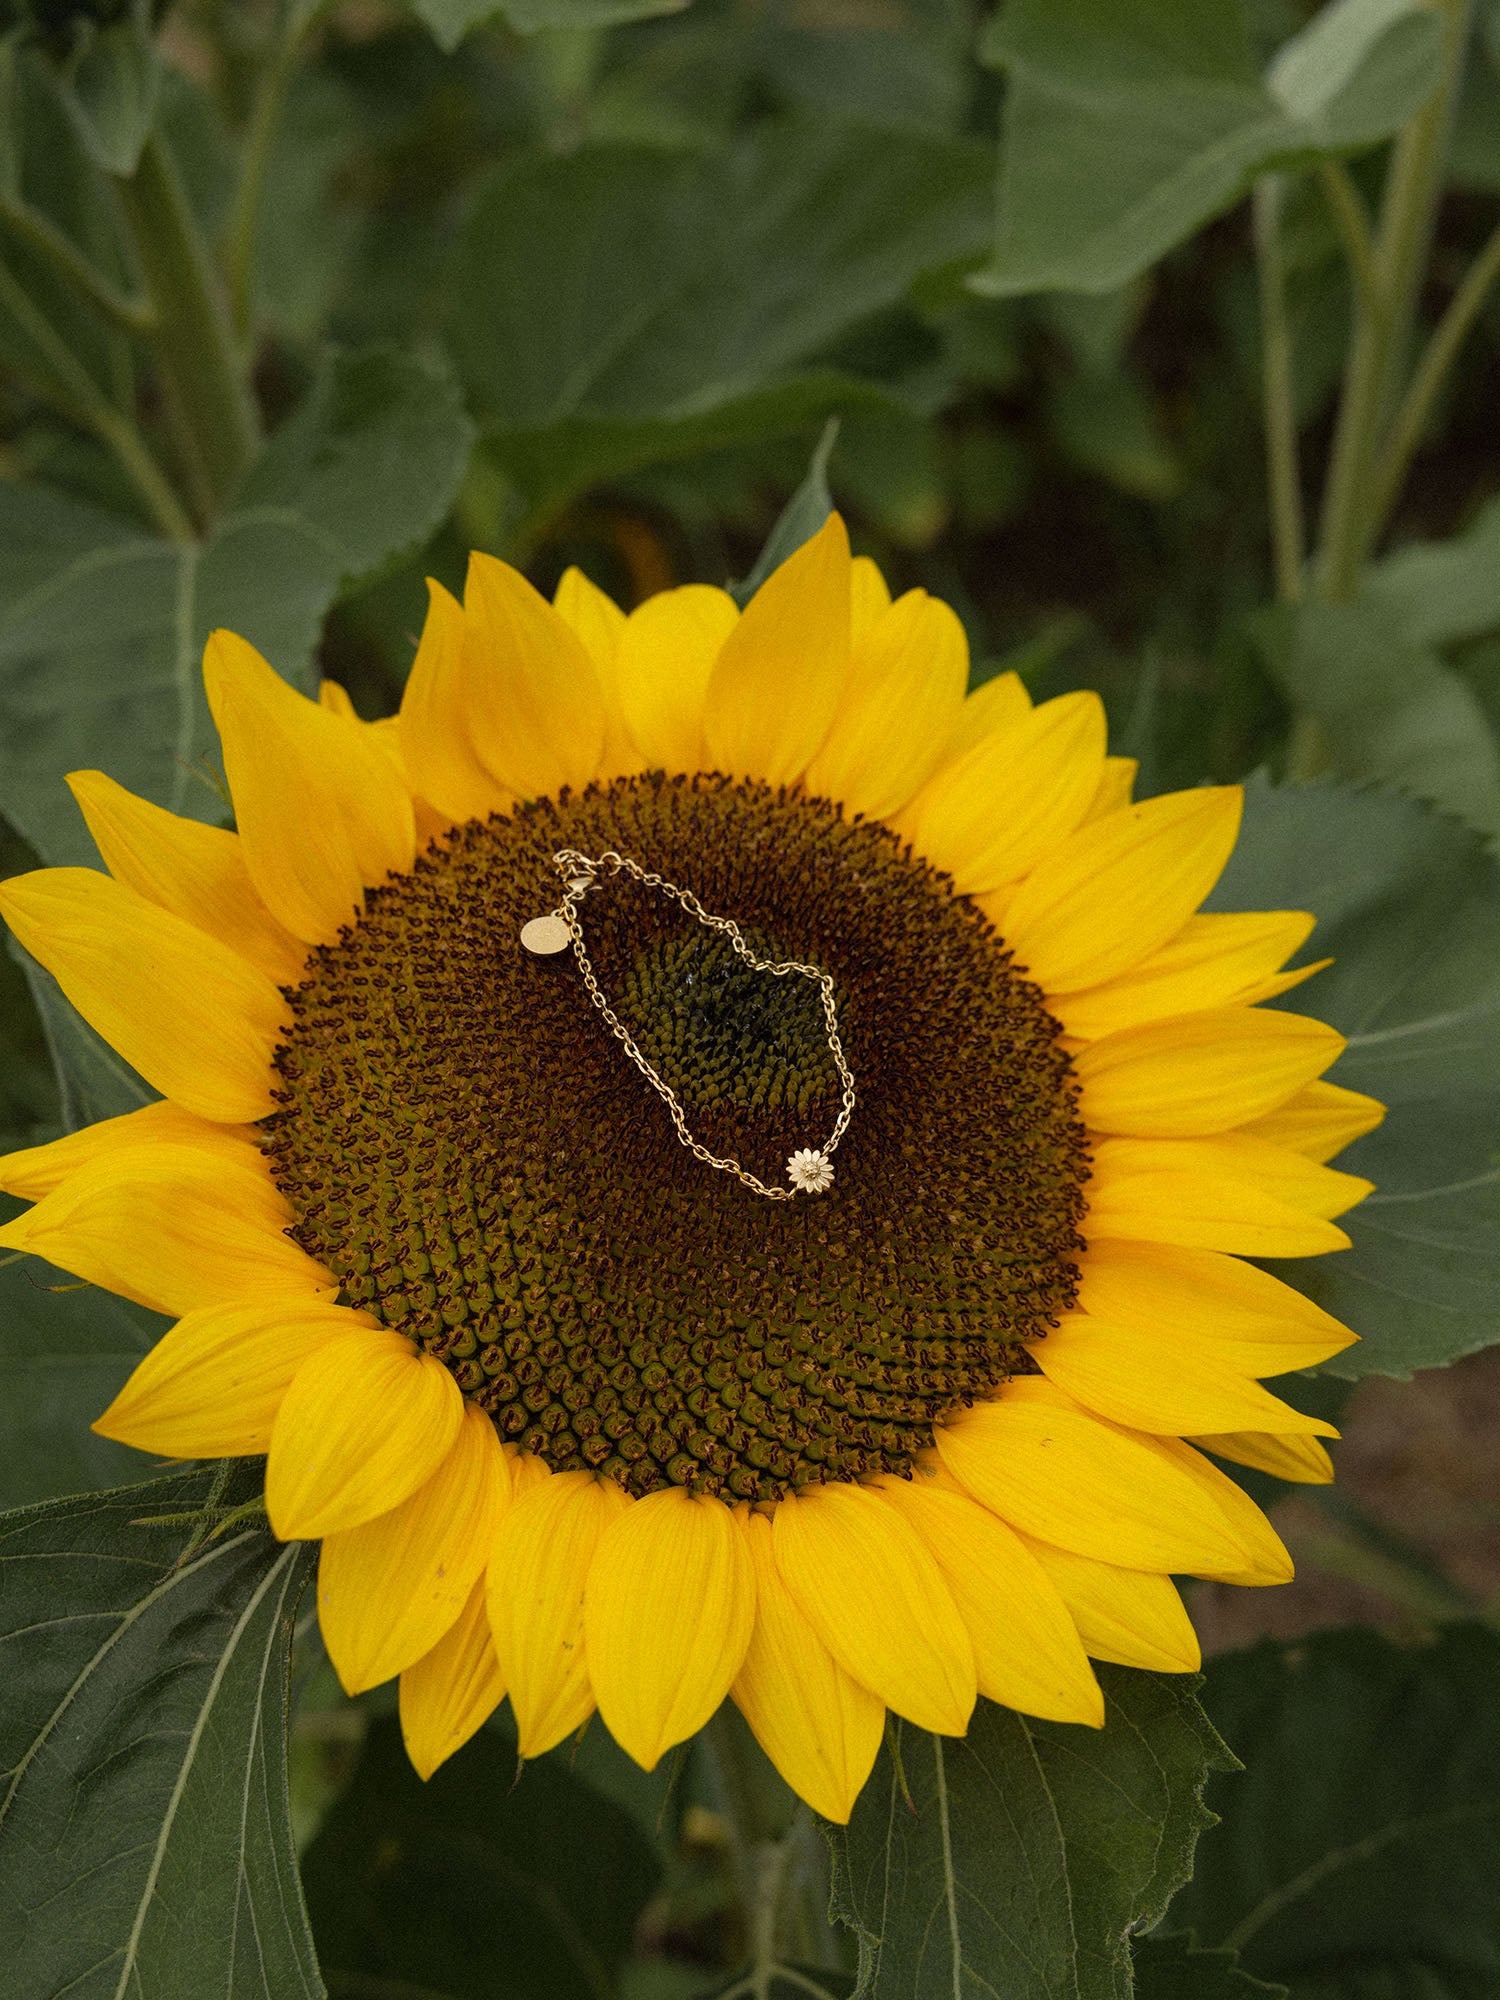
{"points": [[545, 935]]}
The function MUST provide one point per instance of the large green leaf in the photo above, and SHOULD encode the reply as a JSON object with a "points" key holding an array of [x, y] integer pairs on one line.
{"points": [[102, 627], [1028, 1851], [622, 287], [412, 1887], [1408, 904], [451, 20], [1356, 1858], [1441, 592], [1127, 128], [145, 1848]]}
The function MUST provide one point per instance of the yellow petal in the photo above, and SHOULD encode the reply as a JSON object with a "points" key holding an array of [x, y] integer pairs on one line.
{"points": [[817, 1725], [211, 1386], [1115, 891], [875, 1597], [994, 707], [667, 1615], [1056, 1472], [452, 1691], [993, 814], [1268, 1560], [443, 693], [600, 624], [541, 1562], [367, 1420], [1116, 782], [1213, 961], [869, 596], [198, 872], [538, 720], [1263, 1324], [1303, 1460], [1129, 1616], [1218, 1194], [197, 1020], [906, 687], [39, 1169], [1320, 1121], [1160, 1381], [320, 807], [390, 1588], [667, 653], [1200, 1073], [777, 683], [1027, 1652], [336, 699], [172, 1228]]}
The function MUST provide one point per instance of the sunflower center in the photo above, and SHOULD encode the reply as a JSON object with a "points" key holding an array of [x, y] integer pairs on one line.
{"points": [[469, 1149]]}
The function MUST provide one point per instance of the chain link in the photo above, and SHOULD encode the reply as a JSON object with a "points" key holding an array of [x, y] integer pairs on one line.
{"points": [[812, 1169]]}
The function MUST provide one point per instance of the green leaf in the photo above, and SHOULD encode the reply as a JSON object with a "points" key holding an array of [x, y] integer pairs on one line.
{"points": [[410, 1885], [1127, 128], [1029, 1850], [1173, 1966], [798, 521], [102, 628], [1408, 905], [1356, 1856], [113, 87], [451, 20], [1442, 592], [644, 287], [1391, 710], [145, 1847]]}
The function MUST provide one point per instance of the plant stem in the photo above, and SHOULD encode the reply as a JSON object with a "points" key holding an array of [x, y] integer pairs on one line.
{"points": [[1283, 474], [1413, 184], [1353, 222], [1422, 391], [206, 390], [70, 388], [133, 315]]}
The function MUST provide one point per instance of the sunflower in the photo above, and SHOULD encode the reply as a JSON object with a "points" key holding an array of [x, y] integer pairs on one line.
{"points": [[579, 1419]]}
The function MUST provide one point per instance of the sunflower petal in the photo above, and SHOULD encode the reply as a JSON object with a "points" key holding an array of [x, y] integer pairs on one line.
{"points": [[211, 1386], [667, 1615], [173, 1229], [1319, 1122], [1227, 1193], [367, 1420], [37, 1170], [1200, 1073], [1027, 1652], [776, 685], [320, 807], [1116, 782], [997, 705], [1131, 1617], [906, 688], [1268, 1561], [869, 596], [390, 1588], [452, 1691], [436, 707], [600, 624], [867, 1585], [1213, 961], [1302, 1460], [1158, 1381], [197, 1020], [1055, 1472], [541, 1562], [667, 653], [1262, 1324], [1115, 891], [196, 871], [540, 725], [992, 815], [817, 1725]]}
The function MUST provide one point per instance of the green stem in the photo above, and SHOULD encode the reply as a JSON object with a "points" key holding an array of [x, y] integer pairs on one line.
{"points": [[1284, 477], [206, 390], [69, 387], [1422, 392], [1353, 220], [1413, 184], [133, 315]]}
